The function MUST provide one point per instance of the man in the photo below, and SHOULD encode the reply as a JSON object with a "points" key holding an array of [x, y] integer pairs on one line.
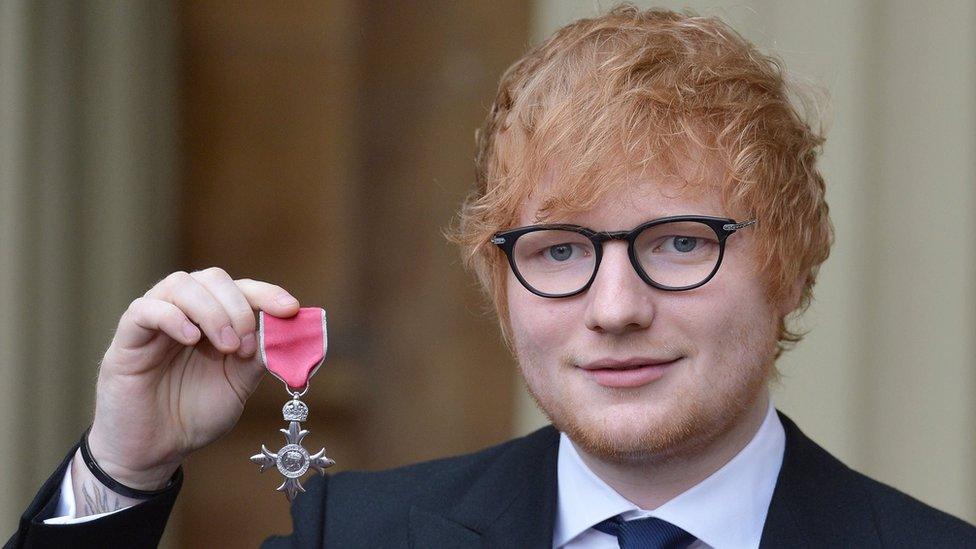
{"points": [[647, 213]]}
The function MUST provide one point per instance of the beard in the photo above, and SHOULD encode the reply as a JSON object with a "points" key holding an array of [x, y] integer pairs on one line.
{"points": [[665, 420]]}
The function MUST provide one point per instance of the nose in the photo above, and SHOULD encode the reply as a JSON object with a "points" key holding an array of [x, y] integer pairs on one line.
{"points": [[618, 301]]}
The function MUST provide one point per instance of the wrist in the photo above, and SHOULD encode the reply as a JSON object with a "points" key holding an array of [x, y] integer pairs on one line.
{"points": [[139, 483], [91, 497]]}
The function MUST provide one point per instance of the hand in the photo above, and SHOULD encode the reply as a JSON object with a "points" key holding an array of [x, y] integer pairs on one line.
{"points": [[164, 389]]}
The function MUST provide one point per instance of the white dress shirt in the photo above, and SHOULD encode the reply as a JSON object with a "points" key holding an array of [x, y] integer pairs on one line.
{"points": [[726, 510]]}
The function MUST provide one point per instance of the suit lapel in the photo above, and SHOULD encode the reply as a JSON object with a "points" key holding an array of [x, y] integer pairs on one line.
{"points": [[816, 502], [512, 504]]}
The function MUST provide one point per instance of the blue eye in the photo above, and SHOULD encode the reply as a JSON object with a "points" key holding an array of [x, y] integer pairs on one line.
{"points": [[685, 243], [561, 252]]}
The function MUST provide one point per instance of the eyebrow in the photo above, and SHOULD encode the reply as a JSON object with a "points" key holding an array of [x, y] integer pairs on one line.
{"points": [[656, 216]]}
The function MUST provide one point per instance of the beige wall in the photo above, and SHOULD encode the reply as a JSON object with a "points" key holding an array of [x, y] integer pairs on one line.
{"points": [[885, 380]]}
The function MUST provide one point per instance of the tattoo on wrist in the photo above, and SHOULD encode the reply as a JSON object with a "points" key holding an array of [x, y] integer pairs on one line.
{"points": [[97, 499]]}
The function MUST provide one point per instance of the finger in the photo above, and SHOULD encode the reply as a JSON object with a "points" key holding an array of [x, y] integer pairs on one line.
{"points": [[146, 317], [201, 307], [269, 298], [222, 287]]}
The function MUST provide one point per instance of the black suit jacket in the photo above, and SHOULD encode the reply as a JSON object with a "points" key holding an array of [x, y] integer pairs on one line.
{"points": [[505, 496]]}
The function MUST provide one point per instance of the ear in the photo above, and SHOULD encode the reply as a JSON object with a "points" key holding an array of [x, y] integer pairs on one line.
{"points": [[792, 301]]}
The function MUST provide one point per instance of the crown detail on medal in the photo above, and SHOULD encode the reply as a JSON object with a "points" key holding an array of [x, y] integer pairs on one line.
{"points": [[295, 410]]}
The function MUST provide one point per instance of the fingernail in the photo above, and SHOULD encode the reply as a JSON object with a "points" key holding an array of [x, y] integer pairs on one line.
{"points": [[285, 300], [248, 345], [228, 337], [189, 330]]}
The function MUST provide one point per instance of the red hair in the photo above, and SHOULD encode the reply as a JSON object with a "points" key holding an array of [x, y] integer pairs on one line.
{"points": [[639, 89]]}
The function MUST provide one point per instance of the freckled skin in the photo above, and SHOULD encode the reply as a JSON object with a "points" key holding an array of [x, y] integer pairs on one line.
{"points": [[705, 407]]}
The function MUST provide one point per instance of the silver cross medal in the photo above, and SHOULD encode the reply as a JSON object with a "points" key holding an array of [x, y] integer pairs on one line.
{"points": [[293, 349]]}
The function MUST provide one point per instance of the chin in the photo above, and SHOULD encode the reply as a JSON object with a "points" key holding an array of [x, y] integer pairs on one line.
{"points": [[643, 432], [625, 434]]}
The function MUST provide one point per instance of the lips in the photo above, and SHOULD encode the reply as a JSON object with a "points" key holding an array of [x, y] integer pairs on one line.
{"points": [[633, 372]]}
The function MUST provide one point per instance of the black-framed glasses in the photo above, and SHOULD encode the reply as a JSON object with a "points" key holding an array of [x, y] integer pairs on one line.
{"points": [[670, 253]]}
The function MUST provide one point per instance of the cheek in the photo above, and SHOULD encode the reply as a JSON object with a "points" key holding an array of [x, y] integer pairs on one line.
{"points": [[702, 314], [740, 330], [539, 324], [729, 316]]}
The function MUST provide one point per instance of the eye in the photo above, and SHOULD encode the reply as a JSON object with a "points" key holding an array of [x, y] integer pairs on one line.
{"points": [[678, 243], [552, 248], [561, 252], [685, 243]]}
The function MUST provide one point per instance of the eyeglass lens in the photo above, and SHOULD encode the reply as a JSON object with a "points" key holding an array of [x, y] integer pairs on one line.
{"points": [[674, 254]]}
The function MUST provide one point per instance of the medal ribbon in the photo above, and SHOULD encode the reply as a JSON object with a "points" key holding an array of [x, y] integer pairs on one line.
{"points": [[293, 348]]}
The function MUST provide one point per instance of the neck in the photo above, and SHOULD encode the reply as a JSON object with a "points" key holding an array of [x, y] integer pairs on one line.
{"points": [[651, 484]]}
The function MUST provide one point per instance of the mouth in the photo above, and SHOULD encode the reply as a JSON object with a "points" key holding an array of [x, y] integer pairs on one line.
{"points": [[628, 373]]}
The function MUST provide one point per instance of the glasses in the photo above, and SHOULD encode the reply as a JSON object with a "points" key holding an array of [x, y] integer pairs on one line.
{"points": [[671, 253]]}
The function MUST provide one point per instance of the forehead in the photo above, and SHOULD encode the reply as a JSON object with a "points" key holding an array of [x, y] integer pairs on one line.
{"points": [[632, 197]]}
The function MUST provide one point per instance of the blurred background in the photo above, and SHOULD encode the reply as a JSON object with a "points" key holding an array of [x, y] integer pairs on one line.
{"points": [[324, 146]]}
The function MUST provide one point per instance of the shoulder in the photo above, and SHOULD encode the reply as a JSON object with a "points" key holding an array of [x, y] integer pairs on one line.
{"points": [[824, 495], [442, 479], [905, 521]]}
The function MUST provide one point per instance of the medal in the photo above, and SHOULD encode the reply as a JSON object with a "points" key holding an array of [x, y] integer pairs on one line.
{"points": [[293, 349]]}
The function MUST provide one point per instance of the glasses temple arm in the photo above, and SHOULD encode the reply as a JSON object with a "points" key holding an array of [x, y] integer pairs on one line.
{"points": [[737, 226]]}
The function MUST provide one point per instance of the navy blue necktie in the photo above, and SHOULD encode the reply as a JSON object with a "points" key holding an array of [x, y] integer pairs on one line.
{"points": [[646, 533]]}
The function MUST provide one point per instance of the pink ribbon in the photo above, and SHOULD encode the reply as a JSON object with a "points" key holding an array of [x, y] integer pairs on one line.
{"points": [[294, 348]]}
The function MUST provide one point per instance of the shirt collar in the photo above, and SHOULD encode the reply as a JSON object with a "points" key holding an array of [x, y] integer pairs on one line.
{"points": [[727, 509]]}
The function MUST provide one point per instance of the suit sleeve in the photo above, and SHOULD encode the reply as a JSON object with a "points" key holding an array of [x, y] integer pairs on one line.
{"points": [[141, 525], [307, 517]]}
